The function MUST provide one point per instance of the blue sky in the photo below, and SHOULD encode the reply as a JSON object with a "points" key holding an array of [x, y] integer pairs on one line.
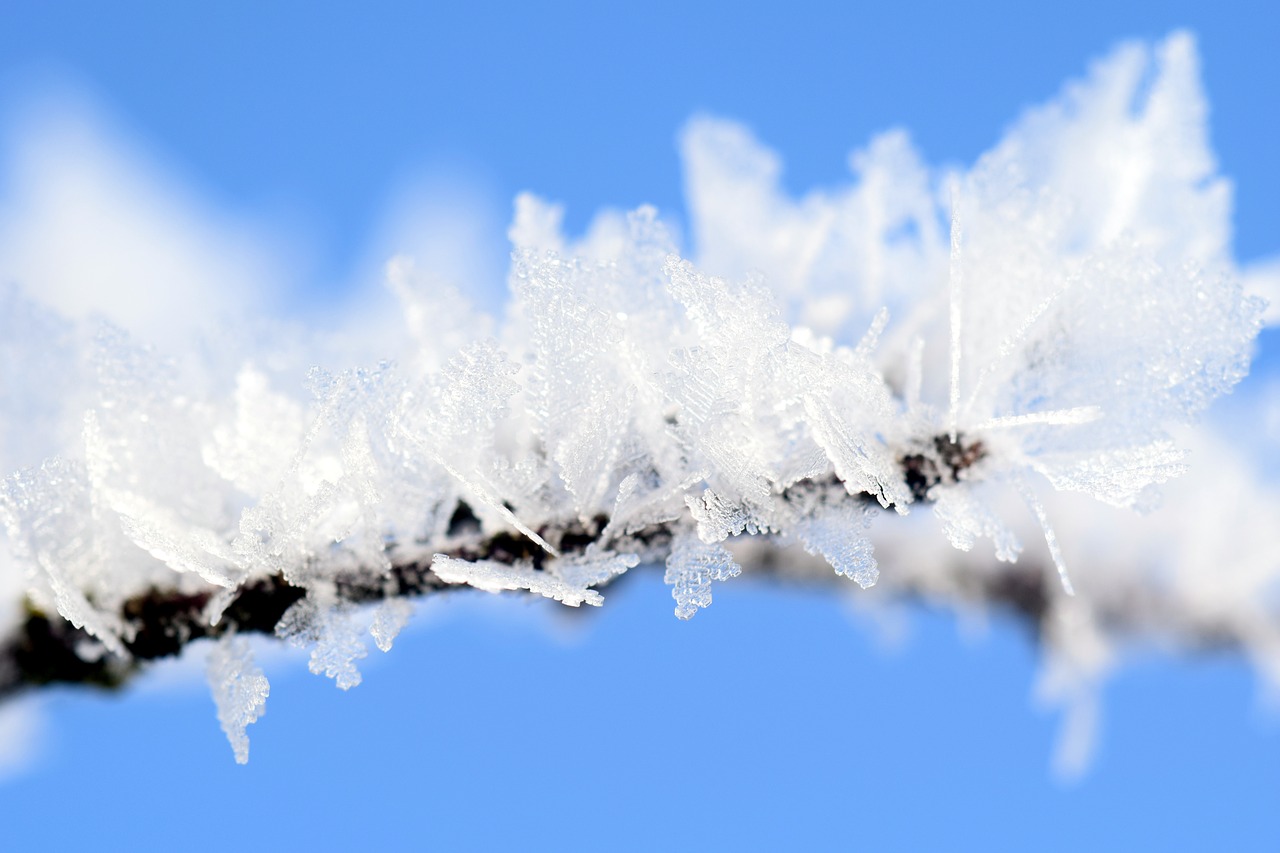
{"points": [[773, 718]]}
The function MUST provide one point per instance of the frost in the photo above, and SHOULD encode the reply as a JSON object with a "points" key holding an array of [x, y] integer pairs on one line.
{"points": [[252, 447], [718, 519], [837, 255], [1050, 537], [239, 690], [969, 343], [691, 568], [334, 638], [388, 620], [749, 383], [491, 576], [48, 517], [839, 534], [966, 518], [842, 400], [1118, 477], [712, 383], [955, 292], [581, 411], [592, 567], [445, 417]]}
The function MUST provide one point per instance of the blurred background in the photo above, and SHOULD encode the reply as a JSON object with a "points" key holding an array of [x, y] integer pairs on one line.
{"points": [[283, 151]]}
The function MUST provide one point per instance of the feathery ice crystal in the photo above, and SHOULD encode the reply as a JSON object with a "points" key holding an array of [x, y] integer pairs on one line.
{"points": [[817, 364]]}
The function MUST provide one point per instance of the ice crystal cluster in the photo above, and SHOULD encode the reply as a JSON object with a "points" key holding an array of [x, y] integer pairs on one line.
{"points": [[918, 360]]}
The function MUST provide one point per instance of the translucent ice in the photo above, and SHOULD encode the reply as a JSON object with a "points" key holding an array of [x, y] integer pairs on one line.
{"points": [[491, 576], [239, 690], [691, 568]]}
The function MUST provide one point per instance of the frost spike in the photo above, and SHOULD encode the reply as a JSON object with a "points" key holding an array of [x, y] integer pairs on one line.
{"points": [[239, 689], [1008, 344], [1050, 538], [1057, 417], [915, 373], [484, 496], [956, 281], [872, 335]]}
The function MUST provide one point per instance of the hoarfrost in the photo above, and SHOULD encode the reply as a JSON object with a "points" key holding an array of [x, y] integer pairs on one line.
{"points": [[638, 404], [491, 576], [719, 519], [1050, 537], [388, 621], [691, 568], [252, 447], [1118, 477], [330, 630], [48, 515], [966, 518], [592, 567], [445, 417], [239, 690], [580, 406], [839, 534], [837, 256]]}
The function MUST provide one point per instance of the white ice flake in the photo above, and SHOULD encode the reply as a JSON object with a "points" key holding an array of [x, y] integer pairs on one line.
{"points": [[592, 567], [839, 534], [1050, 537], [331, 631], [580, 392], [955, 291], [492, 576], [966, 518], [835, 256], [252, 446], [49, 518], [464, 403], [1118, 477], [388, 620], [691, 568], [719, 519], [239, 690], [841, 403]]}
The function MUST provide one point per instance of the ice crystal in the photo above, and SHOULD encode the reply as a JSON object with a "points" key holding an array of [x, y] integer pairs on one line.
{"points": [[388, 621], [839, 534], [965, 517], [691, 568], [592, 567], [331, 632], [490, 576], [239, 690], [49, 519]]}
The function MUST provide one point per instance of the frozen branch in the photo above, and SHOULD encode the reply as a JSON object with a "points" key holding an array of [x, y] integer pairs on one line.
{"points": [[745, 410]]}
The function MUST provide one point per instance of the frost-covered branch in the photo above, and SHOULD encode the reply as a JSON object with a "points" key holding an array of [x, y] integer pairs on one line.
{"points": [[162, 622], [47, 650], [1003, 361]]}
